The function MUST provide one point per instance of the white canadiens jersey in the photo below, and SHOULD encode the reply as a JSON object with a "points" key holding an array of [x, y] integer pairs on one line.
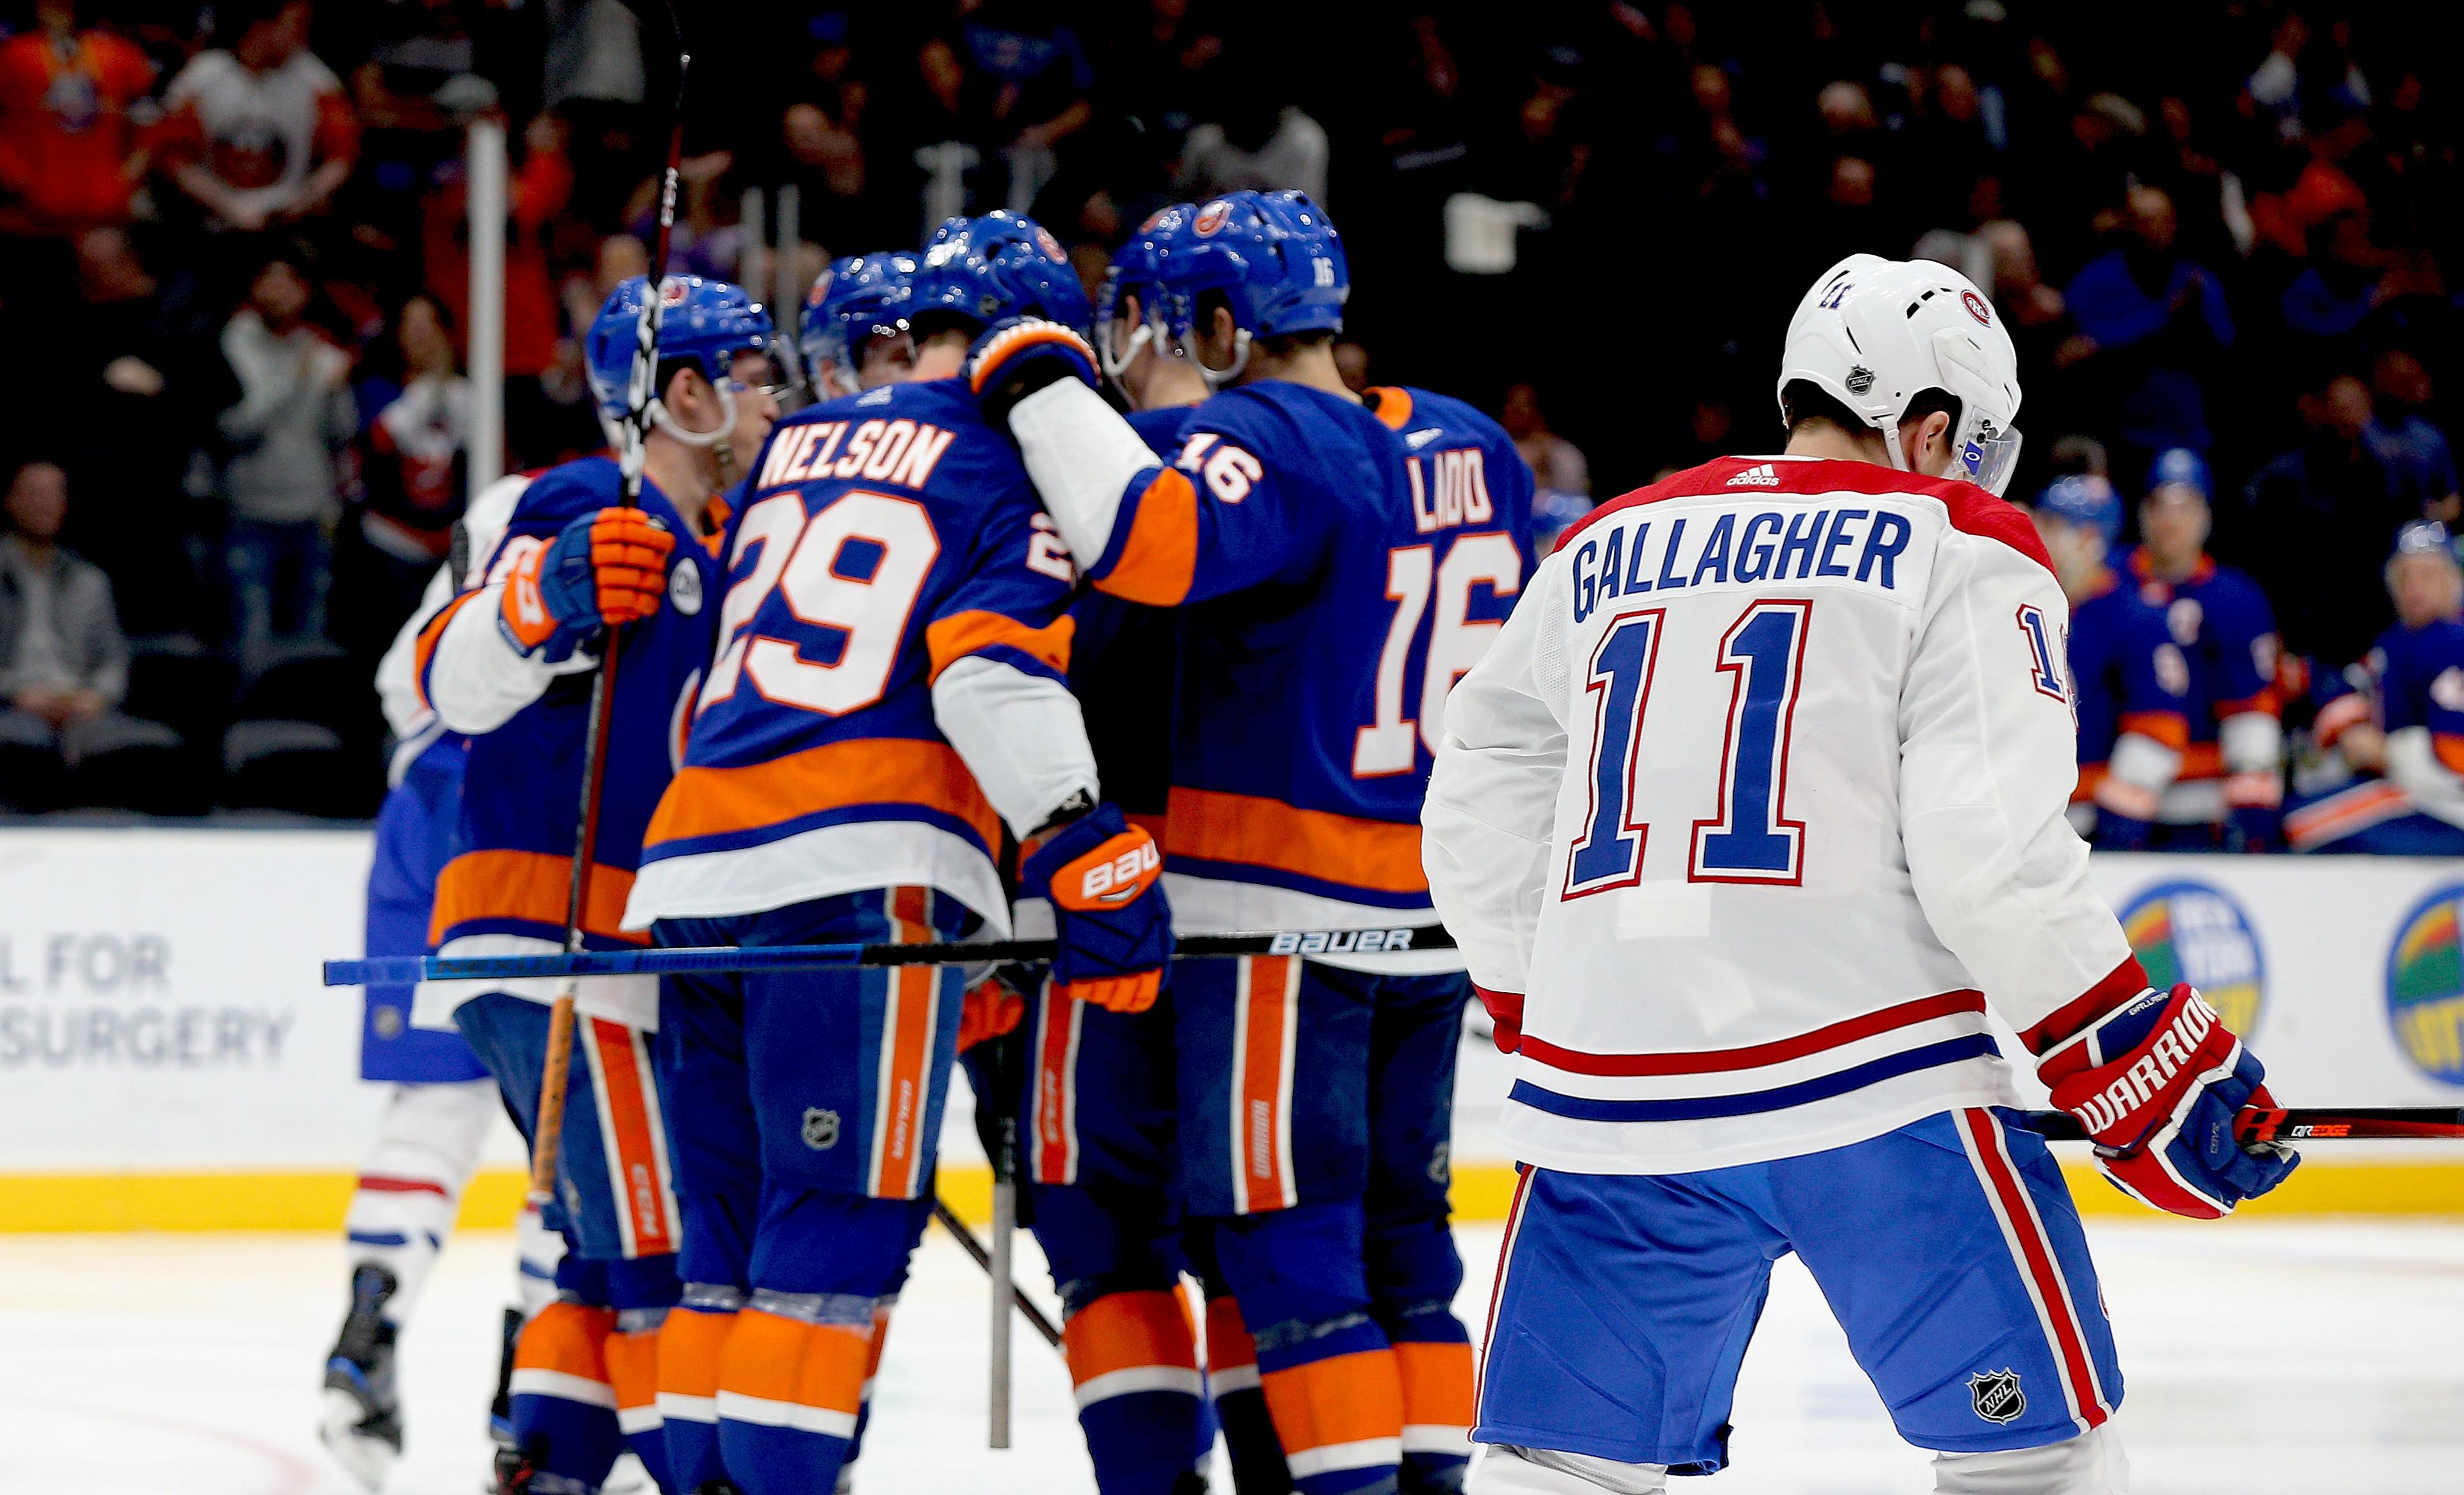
{"points": [[1757, 801]]}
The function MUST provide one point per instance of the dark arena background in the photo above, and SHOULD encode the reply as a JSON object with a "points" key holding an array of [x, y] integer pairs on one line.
{"points": [[284, 286]]}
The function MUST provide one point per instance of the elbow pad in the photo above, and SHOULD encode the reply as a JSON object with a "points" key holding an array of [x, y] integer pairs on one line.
{"points": [[1084, 458], [2252, 744]]}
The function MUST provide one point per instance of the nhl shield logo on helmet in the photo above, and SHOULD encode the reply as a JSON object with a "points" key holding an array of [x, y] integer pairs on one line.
{"points": [[822, 1133], [1860, 378], [1997, 1395]]}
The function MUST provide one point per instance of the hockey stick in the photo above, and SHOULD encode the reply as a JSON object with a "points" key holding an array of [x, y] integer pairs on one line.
{"points": [[556, 1073], [977, 1253], [395, 970], [2298, 1124]]}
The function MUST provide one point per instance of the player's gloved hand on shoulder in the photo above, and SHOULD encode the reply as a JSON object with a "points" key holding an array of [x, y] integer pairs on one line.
{"points": [[1019, 355], [602, 571], [2159, 1082], [1108, 914]]}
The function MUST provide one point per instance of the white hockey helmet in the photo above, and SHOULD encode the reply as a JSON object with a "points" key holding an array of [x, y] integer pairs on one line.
{"points": [[1873, 333]]}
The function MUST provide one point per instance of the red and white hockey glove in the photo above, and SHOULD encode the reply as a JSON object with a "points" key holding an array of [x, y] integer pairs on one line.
{"points": [[602, 571], [1019, 355], [2158, 1083], [1505, 1017], [1103, 875], [990, 1010]]}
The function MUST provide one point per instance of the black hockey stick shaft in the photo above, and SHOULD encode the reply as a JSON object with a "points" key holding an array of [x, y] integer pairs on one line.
{"points": [[983, 1258], [2296, 1124]]}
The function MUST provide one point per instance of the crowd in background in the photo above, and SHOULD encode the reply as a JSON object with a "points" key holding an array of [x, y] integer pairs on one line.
{"points": [[235, 245]]}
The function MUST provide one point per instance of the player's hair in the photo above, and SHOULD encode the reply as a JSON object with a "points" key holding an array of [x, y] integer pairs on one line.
{"points": [[1803, 400], [941, 322]]}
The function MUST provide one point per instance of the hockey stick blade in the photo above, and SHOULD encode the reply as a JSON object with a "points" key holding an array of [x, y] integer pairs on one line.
{"points": [[977, 1253], [2299, 1124], [403, 970]]}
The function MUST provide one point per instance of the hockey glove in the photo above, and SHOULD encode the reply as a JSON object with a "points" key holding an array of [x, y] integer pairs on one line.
{"points": [[991, 1010], [1504, 1016], [1108, 915], [1019, 356], [602, 571], [2158, 1084]]}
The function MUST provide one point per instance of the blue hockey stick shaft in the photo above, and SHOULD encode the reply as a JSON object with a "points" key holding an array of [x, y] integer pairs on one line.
{"points": [[403, 970]]}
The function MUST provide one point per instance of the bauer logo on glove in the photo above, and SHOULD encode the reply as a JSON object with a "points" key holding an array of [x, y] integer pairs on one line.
{"points": [[1110, 883], [1109, 918]]}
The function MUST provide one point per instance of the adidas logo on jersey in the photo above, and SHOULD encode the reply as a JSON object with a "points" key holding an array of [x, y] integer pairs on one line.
{"points": [[1762, 477]]}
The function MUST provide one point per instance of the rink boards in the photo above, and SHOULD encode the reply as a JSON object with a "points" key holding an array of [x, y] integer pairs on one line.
{"points": [[168, 1061]]}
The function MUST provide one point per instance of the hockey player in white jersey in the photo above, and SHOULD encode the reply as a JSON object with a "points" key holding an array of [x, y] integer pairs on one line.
{"points": [[1750, 811]]}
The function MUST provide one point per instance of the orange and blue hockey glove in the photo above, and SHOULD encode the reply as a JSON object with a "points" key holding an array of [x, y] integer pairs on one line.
{"points": [[1104, 876], [602, 571], [1019, 355], [2159, 1084]]}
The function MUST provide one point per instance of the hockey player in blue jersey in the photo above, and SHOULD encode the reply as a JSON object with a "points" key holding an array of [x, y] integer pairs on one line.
{"points": [[1339, 559], [507, 664], [2133, 685], [2403, 722], [1750, 833], [2232, 782], [854, 330]]}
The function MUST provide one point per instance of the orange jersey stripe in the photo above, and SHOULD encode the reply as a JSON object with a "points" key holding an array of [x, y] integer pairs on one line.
{"points": [[2202, 760], [641, 1181], [2171, 728], [714, 801], [785, 1359], [907, 1055], [1348, 1398], [1261, 1109], [1160, 560], [1249, 830], [953, 638], [530, 886], [424, 648], [1053, 1109], [568, 1339], [1437, 1384], [1129, 1330], [2450, 749]]}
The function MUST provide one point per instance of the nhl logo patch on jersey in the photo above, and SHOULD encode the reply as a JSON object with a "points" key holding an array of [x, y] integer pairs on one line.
{"points": [[822, 1133], [1860, 378], [684, 589], [1998, 1395]]}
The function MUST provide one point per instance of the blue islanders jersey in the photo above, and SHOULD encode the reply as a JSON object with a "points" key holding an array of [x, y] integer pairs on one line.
{"points": [[1341, 563], [1121, 669], [521, 788], [2226, 630], [2127, 676], [883, 538], [2421, 684]]}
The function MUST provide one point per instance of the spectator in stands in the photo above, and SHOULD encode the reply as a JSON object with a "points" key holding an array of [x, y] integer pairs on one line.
{"points": [[2156, 329], [259, 134], [63, 660], [294, 418], [417, 442], [70, 151], [1009, 78], [2401, 436], [2318, 520], [823, 134], [1557, 465]]}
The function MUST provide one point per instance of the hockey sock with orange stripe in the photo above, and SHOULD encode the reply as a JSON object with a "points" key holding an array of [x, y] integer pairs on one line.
{"points": [[1436, 1379], [1258, 1465], [565, 1405], [790, 1389], [1134, 1368], [691, 1344], [633, 1373], [1338, 1402]]}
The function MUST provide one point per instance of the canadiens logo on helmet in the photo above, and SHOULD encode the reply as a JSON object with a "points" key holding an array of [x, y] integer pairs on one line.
{"points": [[1860, 378], [1997, 1395], [1211, 217], [1976, 308]]}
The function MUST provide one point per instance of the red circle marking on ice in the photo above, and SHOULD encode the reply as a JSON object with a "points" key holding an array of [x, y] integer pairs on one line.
{"points": [[1975, 305]]}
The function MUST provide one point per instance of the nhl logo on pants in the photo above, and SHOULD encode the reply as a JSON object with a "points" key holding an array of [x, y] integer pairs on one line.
{"points": [[1998, 1395], [822, 1133]]}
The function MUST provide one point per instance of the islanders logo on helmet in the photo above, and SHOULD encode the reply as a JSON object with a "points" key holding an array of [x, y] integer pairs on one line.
{"points": [[979, 271], [2087, 500], [1276, 261], [2425, 986], [704, 322], [2194, 931], [2182, 468], [1136, 275], [858, 299]]}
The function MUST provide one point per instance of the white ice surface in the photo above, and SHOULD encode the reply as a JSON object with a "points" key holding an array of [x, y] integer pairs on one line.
{"points": [[2310, 1359]]}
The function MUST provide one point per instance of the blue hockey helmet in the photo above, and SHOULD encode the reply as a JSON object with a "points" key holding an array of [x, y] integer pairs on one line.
{"points": [[983, 270], [1275, 258], [858, 299], [1138, 270], [2087, 500], [2424, 537], [706, 322], [2180, 465]]}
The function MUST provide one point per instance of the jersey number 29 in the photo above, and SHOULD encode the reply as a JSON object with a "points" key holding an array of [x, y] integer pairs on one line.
{"points": [[1749, 840]]}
